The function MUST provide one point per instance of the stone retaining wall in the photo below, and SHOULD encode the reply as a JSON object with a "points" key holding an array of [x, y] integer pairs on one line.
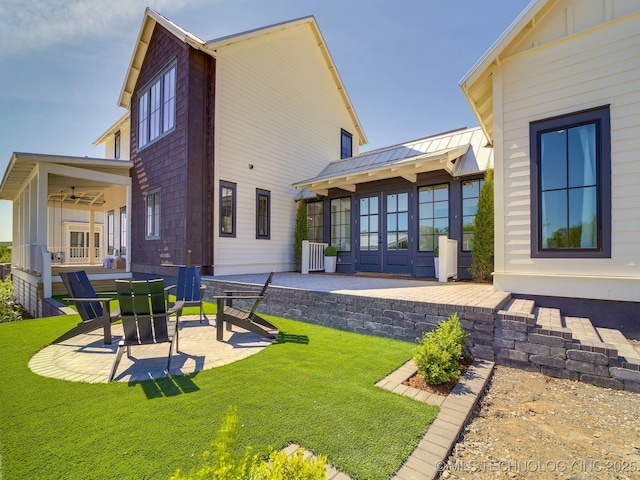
{"points": [[507, 339]]}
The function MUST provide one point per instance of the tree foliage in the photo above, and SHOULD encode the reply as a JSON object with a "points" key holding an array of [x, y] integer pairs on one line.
{"points": [[301, 233], [483, 234]]}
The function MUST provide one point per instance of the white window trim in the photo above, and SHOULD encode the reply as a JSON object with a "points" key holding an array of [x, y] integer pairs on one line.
{"points": [[146, 113], [154, 232]]}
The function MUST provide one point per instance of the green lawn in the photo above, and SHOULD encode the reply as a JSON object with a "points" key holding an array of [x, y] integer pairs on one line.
{"points": [[314, 387]]}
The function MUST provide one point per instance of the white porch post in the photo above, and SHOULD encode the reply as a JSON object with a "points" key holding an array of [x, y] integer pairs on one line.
{"points": [[128, 204], [42, 207], [92, 241]]}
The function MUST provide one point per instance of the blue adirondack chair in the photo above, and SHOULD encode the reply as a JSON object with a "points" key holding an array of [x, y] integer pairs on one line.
{"points": [[189, 290]]}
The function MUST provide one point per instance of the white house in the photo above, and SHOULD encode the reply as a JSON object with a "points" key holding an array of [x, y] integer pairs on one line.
{"points": [[558, 96]]}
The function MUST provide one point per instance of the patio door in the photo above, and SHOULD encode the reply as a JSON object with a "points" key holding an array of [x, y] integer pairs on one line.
{"points": [[383, 226], [397, 240]]}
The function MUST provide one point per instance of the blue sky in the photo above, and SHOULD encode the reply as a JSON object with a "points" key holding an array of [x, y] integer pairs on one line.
{"points": [[62, 62]]}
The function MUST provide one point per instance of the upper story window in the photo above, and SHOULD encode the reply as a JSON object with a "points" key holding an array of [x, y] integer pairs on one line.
{"points": [[346, 144], [157, 107], [153, 214], [116, 145], [571, 185]]}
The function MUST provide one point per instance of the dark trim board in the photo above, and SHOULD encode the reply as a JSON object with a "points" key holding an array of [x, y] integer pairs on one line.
{"points": [[623, 316]]}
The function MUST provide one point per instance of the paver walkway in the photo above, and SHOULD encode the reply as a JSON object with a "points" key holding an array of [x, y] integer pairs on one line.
{"points": [[85, 358]]}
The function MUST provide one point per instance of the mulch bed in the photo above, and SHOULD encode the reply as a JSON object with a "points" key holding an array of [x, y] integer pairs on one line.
{"points": [[444, 389]]}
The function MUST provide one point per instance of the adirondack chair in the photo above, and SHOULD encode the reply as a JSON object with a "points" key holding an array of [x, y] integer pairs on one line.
{"points": [[94, 312], [145, 317], [189, 290], [248, 320]]}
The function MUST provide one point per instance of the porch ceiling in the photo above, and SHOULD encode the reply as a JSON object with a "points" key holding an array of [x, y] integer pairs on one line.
{"points": [[90, 177]]}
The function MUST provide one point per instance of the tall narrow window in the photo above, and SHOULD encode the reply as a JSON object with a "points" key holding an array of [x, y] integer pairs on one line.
{"points": [[341, 224], [110, 233], [571, 185], [153, 214], [157, 107], [369, 222], [123, 230], [433, 213], [227, 209], [116, 145], [143, 120], [346, 144], [263, 213], [315, 221], [470, 195]]}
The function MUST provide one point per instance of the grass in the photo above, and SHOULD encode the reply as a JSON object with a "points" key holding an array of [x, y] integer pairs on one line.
{"points": [[315, 386]]}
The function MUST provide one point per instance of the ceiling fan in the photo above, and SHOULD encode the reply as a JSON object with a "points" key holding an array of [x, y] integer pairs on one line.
{"points": [[73, 193]]}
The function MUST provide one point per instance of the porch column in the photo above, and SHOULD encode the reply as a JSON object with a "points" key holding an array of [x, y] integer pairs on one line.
{"points": [[92, 242], [128, 204], [42, 204]]}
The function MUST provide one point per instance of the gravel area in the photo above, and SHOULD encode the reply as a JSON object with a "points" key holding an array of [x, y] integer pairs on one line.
{"points": [[531, 426]]}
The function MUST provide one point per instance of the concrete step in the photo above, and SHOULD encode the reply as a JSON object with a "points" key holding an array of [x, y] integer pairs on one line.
{"points": [[627, 354]]}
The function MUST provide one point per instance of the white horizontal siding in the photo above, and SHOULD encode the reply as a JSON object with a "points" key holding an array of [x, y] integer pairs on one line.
{"points": [[587, 70], [278, 108]]}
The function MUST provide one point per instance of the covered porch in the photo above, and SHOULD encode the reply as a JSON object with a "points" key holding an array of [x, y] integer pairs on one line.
{"points": [[68, 212]]}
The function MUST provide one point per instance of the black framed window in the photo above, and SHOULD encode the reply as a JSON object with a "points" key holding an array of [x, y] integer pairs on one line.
{"points": [[157, 107], [116, 145], [110, 232], [341, 224], [571, 185], [470, 195], [152, 214], [433, 215], [227, 209], [263, 214], [315, 221], [346, 144]]}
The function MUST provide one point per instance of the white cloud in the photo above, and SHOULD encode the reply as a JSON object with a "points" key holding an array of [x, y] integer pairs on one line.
{"points": [[40, 24]]}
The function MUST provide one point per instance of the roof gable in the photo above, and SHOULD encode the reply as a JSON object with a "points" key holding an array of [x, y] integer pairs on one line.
{"points": [[540, 24], [151, 18]]}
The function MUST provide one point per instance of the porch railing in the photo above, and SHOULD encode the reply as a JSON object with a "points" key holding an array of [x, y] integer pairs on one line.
{"points": [[312, 256], [448, 265]]}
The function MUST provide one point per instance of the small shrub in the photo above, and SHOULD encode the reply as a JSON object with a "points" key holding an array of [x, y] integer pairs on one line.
{"points": [[223, 464], [438, 354], [9, 310], [330, 251]]}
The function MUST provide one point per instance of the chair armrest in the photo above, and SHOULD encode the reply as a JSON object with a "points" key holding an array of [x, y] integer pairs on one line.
{"points": [[244, 297], [167, 288], [176, 307], [86, 300]]}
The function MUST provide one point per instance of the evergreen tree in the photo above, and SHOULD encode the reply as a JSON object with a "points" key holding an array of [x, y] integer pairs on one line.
{"points": [[482, 247], [301, 233]]}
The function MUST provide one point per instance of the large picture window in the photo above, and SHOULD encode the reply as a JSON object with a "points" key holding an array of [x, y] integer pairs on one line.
{"points": [[341, 224], [433, 213], [157, 107], [227, 209], [571, 185], [153, 214]]}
